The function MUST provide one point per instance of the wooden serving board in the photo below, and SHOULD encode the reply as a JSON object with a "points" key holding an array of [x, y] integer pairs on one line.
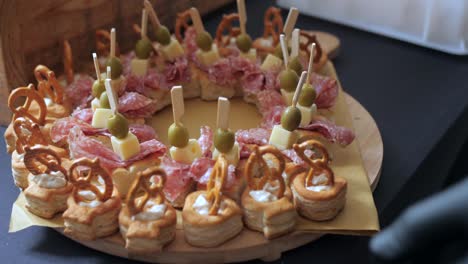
{"points": [[249, 244]]}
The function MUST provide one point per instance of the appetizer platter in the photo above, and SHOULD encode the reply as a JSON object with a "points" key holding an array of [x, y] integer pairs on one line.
{"points": [[112, 159]]}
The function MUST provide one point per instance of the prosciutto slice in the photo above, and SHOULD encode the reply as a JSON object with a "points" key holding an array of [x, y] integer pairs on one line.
{"points": [[83, 146], [331, 131]]}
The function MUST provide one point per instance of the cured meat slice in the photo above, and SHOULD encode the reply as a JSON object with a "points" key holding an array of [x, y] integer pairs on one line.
{"points": [[221, 72], [84, 114], [248, 137], [206, 141], [201, 171], [272, 117], [179, 180], [331, 131], [84, 146], [177, 72], [327, 90], [79, 91], [190, 36], [268, 99], [135, 105], [143, 132]]}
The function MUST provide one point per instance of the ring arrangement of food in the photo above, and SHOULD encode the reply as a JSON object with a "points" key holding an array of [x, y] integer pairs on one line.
{"points": [[82, 149]]}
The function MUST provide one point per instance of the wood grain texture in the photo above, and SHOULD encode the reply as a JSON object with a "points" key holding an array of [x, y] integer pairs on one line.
{"points": [[249, 244], [31, 33]]}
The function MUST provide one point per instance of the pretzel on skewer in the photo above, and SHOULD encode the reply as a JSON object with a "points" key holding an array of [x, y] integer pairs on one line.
{"points": [[47, 84], [182, 24], [215, 184], [68, 61], [153, 191], [226, 26], [30, 95], [43, 159], [103, 40], [269, 174], [273, 26], [27, 134], [84, 173], [318, 162]]}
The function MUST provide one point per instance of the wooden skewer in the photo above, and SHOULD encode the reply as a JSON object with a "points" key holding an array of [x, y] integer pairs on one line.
{"points": [[112, 44], [311, 62], [196, 19], [111, 95], [222, 120], [284, 48], [144, 23], [96, 67], [242, 15], [295, 43], [152, 14], [108, 75], [299, 88], [177, 98], [290, 21]]}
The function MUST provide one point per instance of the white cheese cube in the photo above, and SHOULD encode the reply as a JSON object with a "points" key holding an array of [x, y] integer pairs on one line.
{"points": [[100, 117], [287, 96], [139, 67], [307, 113], [126, 147], [282, 138], [232, 156], [95, 104], [271, 62], [208, 58], [122, 179], [186, 154], [172, 50], [117, 83], [250, 55]]}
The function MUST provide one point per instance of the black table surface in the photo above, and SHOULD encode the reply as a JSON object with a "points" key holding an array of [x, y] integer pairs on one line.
{"points": [[418, 97]]}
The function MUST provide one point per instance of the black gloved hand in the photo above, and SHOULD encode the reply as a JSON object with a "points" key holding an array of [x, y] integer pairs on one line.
{"points": [[426, 227]]}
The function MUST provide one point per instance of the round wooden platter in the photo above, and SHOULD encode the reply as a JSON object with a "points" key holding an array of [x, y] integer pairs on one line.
{"points": [[248, 244]]}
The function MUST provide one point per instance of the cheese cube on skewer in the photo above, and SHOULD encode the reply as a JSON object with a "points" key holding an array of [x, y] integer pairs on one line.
{"points": [[95, 104], [282, 138], [172, 50], [208, 57], [287, 96], [126, 147], [307, 113], [139, 67], [100, 117], [271, 62], [251, 55], [186, 154], [232, 156]]}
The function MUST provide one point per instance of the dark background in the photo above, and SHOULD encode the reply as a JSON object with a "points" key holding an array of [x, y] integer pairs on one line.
{"points": [[418, 97]]}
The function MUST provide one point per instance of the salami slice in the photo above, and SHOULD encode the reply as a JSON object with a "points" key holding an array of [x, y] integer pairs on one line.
{"points": [[206, 141], [79, 91], [177, 72], [178, 179], [272, 117], [143, 132], [248, 137], [327, 90], [331, 131], [83, 114], [135, 105]]}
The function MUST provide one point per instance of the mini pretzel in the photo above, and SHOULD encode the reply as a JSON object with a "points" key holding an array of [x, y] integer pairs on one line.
{"points": [[68, 61], [82, 173], [257, 161], [103, 43], [318, 164], [182, 24], [216, 183], [47, 84], [31, 95], [43, 160], [151, 191], [226, 25], [27, 134], [273, 24], [305, 46]]}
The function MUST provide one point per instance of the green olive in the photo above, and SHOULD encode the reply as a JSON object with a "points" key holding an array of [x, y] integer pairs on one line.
{"points": [[308, 95], [244, 42], [279, 52], [163, 36], [98, 88], [204, 41], [116, 67], [104, 100], [118, 125], [223, 140], [295, 64], [291, 118], [143, 48], [178, 135], [288, 80]]}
